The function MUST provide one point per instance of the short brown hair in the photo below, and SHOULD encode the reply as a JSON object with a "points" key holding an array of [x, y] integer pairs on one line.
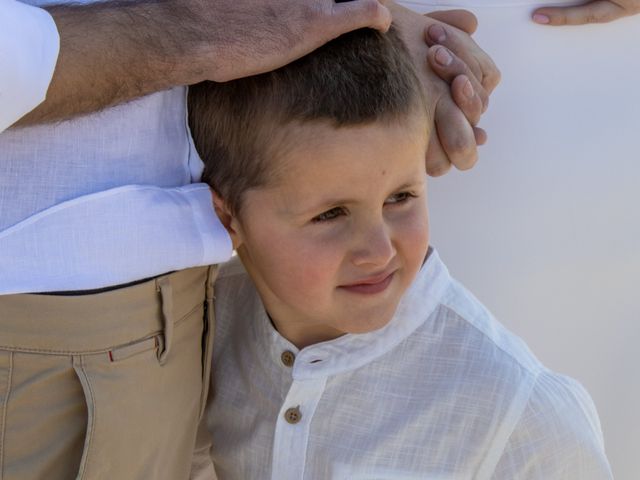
{"points": [[358, 78]]}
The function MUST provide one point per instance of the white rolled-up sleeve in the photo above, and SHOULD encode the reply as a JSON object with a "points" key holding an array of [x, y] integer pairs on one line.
{"points": [[29, 44], [112, 237]]}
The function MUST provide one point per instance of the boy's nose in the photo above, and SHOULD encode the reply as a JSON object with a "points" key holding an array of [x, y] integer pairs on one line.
{"points": [[374, 248]]}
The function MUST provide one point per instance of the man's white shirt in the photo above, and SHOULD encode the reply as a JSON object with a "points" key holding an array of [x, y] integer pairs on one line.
{"points": [[28, 52], [443, 391], [101, 199]]}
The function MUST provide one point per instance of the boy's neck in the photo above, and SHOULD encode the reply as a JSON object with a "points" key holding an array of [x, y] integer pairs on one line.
{"points": [[303, 335]]}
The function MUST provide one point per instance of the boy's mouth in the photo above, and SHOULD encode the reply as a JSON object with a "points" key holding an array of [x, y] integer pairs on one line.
{"points": [[371, 285]]}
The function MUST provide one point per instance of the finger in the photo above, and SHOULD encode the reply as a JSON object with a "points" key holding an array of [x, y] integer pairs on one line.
{"points": [[448, 66], [466, 99], [599, 11], [456, 135], [438, 34], [481, 64], [462, 19], [437, 163], [481, 135], [437, 160], [351, 15]]}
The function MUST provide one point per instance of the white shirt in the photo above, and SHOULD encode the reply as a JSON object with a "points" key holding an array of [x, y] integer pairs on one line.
{"points": [[545, 229], [81, 201], [442, 392], [28, 52]]}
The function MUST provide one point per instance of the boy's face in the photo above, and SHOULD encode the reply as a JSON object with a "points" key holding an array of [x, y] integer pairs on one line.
{"points": [[335, 242]]}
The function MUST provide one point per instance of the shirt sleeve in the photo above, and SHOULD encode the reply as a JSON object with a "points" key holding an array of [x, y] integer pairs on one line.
{"points": [[29, 44], [113, 237], [558, 436]]}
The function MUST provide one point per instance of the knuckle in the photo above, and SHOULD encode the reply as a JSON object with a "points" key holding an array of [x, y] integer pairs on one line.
{"points": [[593, 17], [371, 9], [366, 13], [476, 70], [472, 108], [559, 19], [372, 6], [458, 66], [492, 78]]}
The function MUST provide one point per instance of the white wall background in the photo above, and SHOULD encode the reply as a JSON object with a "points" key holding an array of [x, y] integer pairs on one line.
{"points": [[546, 229]]}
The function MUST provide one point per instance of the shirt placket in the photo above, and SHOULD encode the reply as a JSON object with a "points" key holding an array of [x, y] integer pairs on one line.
{"points": [[293, 427]]}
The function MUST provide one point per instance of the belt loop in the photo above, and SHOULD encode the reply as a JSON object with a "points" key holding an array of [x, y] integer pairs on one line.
{"points": [[166, 293]]}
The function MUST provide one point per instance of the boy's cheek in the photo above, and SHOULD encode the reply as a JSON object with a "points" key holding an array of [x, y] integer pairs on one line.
{"points": [[299, 265], [415, 221], [415, 234]]}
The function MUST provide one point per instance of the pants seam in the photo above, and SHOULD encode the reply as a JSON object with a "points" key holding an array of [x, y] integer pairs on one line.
{"points": [[208, 338], [4, 415], [45, 351], [78, 364]]}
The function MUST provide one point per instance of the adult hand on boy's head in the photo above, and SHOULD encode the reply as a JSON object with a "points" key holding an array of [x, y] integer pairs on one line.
{"points": [[598, 11], [452, 29], [472, 75], [239, 38], [458, 78]]}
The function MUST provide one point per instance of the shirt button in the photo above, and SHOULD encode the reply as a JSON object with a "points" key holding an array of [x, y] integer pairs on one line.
{"points": [[293, 415], [288, 358]]}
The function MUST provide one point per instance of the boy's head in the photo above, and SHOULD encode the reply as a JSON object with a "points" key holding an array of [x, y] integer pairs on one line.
{"points": [[318, 169]]}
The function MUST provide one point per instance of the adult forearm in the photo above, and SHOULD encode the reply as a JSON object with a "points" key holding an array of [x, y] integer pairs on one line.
{"points": [[115, 51], [111, 53]]}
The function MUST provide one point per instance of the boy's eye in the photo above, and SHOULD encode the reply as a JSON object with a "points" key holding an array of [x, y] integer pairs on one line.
{"points": [[329, 215], [400, 197]]}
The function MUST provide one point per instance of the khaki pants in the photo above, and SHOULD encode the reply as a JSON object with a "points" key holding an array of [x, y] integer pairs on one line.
{"points": [[105, 386]]}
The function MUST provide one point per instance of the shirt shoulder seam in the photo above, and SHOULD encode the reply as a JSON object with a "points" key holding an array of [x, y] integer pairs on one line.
{"points": [[535, 372]]}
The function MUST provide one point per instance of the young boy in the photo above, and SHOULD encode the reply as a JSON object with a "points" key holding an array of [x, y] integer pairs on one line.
{"points": [[343, 348]]}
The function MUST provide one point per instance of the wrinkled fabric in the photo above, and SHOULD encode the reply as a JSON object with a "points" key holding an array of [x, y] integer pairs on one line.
{"points": [[443, 391], [52, 174]]}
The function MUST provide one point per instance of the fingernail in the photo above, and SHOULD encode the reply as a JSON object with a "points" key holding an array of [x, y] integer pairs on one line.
{"points": [[443, 57], [540, 18], [468, 90], [437, 33]]}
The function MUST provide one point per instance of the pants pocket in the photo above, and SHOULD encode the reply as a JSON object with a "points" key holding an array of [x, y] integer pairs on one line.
{"points": [[143, 414], [42, 417]]}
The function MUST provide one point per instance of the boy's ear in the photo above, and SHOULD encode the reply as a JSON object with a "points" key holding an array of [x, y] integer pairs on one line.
{"points": [[227, 218]]}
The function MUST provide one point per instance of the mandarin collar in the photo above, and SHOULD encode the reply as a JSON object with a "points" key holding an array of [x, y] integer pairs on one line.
{"points": [[352, 351]]}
